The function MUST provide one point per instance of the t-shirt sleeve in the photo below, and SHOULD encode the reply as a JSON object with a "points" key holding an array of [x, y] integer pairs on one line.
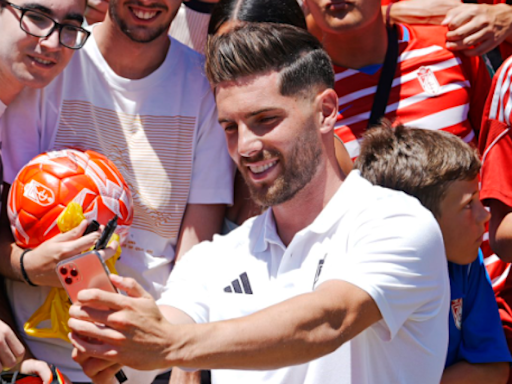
{"points": [[495, 141], [483, 339], [185, 290], [399, 260], [21, 133], [213, 169]]}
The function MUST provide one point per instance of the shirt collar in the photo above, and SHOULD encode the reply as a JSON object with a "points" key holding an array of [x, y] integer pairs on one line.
{"points": [[265, 232]]}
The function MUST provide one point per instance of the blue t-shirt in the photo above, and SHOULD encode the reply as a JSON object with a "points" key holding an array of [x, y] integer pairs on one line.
{"points": [[476, 333]]}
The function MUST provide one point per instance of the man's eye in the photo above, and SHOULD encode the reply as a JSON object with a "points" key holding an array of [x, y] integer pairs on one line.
{"points": [[230, 128], [268, 119]]}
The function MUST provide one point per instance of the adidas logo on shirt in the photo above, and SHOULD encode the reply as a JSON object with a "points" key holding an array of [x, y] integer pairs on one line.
{"points": [[240, 285]]}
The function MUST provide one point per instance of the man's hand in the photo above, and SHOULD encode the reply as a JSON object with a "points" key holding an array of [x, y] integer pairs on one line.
{"points": [[475, 29], [11, 349], [41, 369], [96, 11], [40, 263], [130, 331]]}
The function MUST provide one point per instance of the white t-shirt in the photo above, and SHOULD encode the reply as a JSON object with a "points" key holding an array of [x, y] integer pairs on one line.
{"points": [[380, 240], [191, 28], [2, 108], [161, 132]]}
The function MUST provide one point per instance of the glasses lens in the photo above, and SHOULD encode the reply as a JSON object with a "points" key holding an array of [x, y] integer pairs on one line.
{"points": [[72, 37], [36, 23]]}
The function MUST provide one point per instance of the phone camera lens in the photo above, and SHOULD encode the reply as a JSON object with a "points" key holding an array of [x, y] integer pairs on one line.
{"points": [[74, 273], [63, 271], [68, 280]]}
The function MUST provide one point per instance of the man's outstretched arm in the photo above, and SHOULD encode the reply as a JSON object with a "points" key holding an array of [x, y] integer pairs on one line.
{"points": [[295, 331]]}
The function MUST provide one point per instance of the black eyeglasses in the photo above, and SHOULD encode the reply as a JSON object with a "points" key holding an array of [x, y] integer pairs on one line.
{"points": [[38, 24]]}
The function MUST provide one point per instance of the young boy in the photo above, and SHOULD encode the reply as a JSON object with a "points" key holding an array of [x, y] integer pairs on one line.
{"points": [[441, 171]]}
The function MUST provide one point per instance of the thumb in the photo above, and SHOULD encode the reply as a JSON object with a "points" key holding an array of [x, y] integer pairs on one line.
{"points": [[130, 286]]}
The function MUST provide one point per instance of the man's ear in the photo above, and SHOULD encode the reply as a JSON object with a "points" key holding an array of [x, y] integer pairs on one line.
{"points": [[328, 105]]}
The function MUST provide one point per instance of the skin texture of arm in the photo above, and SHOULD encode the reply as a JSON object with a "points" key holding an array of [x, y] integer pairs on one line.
{"points": [[500, 230], [466, 373], [293, 332], [473, 29], [420, 11], [200, 223]]}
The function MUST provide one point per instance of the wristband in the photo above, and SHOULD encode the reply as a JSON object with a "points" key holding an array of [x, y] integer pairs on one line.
{"points": [[22, 268]]}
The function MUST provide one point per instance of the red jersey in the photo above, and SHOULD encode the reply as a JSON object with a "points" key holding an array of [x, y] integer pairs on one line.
{"points": [[496, 174], [505, 47], [433, 88], [496, 182]]}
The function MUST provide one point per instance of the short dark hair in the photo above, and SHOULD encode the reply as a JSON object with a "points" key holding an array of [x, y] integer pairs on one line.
{"points": [[422, 163], [269, 11], [260, 48]]}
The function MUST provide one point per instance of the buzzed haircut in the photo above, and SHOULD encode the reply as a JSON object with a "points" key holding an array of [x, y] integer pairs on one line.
{"points": [[261, 48], [422, 163]]}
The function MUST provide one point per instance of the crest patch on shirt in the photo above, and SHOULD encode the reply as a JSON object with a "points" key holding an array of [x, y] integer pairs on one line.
{"points": [[428, 81], [457, 312]]}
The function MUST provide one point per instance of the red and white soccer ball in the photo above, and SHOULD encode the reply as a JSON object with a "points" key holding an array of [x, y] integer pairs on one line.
{"points": [[46, 185]]}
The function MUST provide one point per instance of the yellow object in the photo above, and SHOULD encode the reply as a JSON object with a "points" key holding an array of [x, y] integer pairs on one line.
{"points": [[56, 306], [70, 217]]}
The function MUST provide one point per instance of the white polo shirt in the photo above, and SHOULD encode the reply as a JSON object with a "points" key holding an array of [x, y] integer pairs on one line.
{"points": [[380, 240]]}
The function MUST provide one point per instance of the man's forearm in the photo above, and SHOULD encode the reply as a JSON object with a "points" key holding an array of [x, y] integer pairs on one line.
{"points": [[293, 332], [9, 262]]}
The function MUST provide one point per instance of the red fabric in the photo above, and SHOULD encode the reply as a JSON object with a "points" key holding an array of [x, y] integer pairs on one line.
{"points": [[505, 47], [460, 84], [496, 182]]}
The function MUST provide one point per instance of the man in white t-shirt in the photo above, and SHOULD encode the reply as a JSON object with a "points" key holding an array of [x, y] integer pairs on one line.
{"points": [[142, 99], [337, 282], [33, 50]]}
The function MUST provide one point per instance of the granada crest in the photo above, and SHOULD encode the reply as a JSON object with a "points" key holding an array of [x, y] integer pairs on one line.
{"points": [[38, 193], [457, 312]]}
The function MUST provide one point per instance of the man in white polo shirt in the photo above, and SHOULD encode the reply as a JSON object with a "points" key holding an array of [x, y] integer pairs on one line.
{"points": [[337, 282]]}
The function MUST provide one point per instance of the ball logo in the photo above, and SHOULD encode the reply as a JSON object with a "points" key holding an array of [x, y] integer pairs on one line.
{"points": [[38, 193]]}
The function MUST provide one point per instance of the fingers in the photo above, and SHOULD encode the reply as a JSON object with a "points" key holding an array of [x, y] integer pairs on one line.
{"points": [[459, 16], [86, 341], [130, 286], [39, 368], [11, 349], [101, 371], [97, 298], [96, 336], [109, 251]]}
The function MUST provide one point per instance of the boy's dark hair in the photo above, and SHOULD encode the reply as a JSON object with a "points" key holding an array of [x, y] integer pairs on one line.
{"points": [[422, 163], [269, 11], [261, 48]]}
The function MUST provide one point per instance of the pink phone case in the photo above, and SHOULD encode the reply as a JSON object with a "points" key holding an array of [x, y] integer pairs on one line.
{"points": [[84, 271]]}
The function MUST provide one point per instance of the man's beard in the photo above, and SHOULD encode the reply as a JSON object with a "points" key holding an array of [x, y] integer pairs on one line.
{"points": [[137, 34], [298, 169]]}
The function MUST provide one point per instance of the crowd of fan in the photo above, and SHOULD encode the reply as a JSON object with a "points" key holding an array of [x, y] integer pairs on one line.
{"points": [[127, 90]]}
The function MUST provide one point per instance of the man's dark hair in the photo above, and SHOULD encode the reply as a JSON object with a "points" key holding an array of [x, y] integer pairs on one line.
{"points": [[268, 11], [422, 163], [260, 48]]}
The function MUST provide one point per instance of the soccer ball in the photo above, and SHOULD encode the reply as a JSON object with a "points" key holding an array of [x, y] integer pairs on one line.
{"points": [[46, 185]]}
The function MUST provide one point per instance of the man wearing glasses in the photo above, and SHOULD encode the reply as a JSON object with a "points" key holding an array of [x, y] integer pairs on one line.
{"points": [[38, 38], [37, 43], [141, 98]]}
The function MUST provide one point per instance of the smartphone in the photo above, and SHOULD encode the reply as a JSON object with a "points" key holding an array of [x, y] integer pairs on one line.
{"points": [[84, 271]]}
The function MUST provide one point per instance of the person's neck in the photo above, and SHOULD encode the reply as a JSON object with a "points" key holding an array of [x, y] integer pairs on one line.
{"points": [[126, 57], [299, 212], [10, 88], [359, 48]]}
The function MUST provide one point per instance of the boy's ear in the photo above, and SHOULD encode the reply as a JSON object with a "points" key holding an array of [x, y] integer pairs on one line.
{"points": [[328, 104]]}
